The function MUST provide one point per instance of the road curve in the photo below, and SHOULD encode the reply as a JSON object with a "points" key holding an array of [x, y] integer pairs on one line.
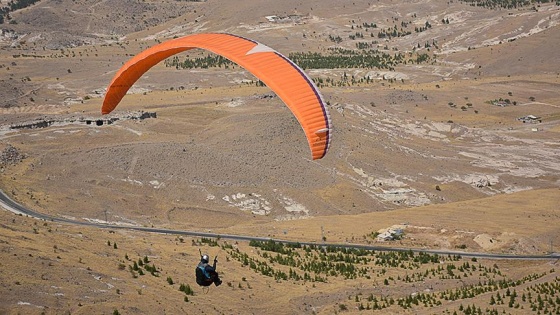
{"points": [[10, 205]]}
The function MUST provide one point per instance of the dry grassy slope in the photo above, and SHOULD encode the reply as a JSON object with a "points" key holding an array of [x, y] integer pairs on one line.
{"points": [[67, 23], [522, 222], [51, 268], [219, 149], [58, 268], [138, 173], [381, 149]]}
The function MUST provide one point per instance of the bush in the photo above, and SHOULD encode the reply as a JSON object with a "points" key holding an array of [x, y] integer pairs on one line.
{"points": [[186, 288]]}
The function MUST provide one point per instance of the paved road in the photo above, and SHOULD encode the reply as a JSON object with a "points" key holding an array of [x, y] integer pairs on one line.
{"points": [[10, 205]]}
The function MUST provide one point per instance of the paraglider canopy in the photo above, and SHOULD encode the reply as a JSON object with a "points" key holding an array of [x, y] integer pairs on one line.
{"points": [[279, 73]]}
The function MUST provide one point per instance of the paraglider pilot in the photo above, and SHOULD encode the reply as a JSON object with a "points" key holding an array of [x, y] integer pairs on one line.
{"points": [[206, 274]]}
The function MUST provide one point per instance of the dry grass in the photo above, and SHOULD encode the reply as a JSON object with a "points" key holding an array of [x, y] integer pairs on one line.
{"points": [[220, 152], [52, 268]]}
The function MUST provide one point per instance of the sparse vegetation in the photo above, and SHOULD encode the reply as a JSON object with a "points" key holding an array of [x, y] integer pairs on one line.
{"points": [[337, 58], [186, 289], [403, 122], [12, 6], [324, 264], [504, 4]]}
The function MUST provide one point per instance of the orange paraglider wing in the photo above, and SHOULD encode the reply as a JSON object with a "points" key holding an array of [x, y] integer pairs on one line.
{"points": [[279, 73]]}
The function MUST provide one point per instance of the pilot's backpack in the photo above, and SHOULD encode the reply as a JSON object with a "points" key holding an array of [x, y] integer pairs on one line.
{"points": [[201, 278]]}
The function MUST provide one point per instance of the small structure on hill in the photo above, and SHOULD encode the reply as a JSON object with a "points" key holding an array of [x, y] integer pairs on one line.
{"points": [[292, 18], [391, 234], [530, 119]]}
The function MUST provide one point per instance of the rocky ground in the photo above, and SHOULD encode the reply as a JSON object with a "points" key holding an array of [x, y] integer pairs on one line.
{"points": [[437, 118], [427, 146]]}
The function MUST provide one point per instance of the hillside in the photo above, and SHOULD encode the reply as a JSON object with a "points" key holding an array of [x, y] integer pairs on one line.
{"points": [[55, 268], [429, 139]]}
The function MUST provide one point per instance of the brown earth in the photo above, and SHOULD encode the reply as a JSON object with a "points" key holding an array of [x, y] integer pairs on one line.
{"points": [[421, 147]]}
